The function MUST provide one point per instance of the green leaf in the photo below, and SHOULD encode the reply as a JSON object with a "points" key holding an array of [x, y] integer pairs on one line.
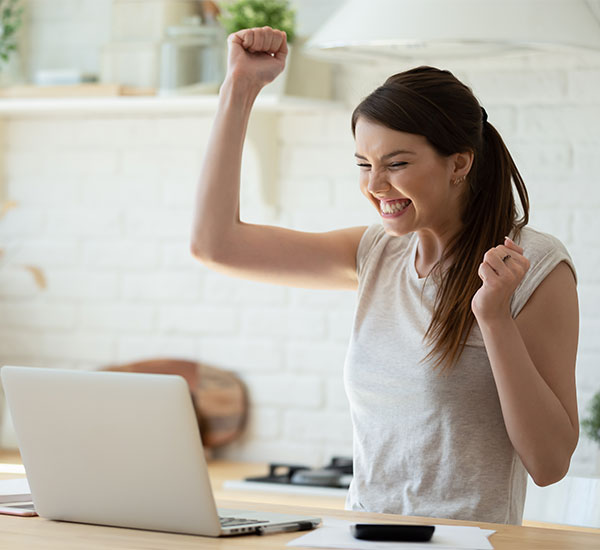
{"points": [[11, 12], [244, 14], [591, 424]]}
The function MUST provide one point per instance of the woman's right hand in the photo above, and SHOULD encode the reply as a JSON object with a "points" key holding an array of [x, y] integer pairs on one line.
{"points": [[256, 56]]}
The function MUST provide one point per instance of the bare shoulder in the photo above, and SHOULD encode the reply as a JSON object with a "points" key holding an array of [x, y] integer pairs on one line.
{"points": [[555, 295]]}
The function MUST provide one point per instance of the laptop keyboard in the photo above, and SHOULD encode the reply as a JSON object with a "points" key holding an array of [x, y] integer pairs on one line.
{"points": [[230, 522]]}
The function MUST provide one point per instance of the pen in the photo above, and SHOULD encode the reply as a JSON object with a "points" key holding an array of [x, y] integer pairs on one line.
{"points": [[299, 526]]}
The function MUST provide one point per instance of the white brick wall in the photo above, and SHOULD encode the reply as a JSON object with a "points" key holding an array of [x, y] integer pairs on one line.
{"points": [[105, 210], [65, 34]]}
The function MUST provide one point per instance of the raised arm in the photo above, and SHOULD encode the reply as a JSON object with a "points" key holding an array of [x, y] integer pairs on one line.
{"points": [[219, 238]]}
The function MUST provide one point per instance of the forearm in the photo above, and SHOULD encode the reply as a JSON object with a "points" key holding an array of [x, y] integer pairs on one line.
{"points": [[216, 210], [537, 423]]}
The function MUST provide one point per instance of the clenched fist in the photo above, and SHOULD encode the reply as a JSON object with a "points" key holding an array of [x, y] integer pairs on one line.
{"points": [[501, 272], [257, 55]]}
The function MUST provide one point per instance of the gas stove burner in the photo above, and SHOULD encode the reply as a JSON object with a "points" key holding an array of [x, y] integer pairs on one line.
{"points": [[338, 473]]}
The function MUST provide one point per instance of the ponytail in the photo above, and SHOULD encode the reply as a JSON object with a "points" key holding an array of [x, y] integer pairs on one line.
{"points": [[488, 216]]}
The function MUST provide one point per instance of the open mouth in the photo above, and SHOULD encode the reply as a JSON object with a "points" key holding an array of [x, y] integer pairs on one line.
{"points": [[393, 208]]}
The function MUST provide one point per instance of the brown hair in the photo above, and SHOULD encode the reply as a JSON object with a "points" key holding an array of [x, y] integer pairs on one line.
{"points": [[433, 103]]}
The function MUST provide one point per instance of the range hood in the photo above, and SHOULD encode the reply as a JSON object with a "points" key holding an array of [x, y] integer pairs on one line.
{"points": [[367, 29]]}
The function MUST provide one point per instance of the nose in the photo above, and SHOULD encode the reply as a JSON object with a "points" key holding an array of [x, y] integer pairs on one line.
{"points": [[378, 182]]}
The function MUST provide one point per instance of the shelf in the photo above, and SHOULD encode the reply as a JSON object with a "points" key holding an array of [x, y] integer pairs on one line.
{"points": [[156, 105]]}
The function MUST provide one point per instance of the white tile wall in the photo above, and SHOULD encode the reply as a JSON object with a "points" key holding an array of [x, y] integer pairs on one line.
{"points": [[105, 208]]}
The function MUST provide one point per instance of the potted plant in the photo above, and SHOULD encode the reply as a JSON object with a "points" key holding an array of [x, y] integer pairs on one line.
{"points": [[591, 424], [11, 13], [245, 14]]}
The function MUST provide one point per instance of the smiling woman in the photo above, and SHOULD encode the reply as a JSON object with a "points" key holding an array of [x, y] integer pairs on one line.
{"points": [[445, 208], [440, 120], [460, 369]]}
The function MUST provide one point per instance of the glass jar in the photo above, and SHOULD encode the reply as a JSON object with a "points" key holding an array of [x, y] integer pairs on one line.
{"points": [[192, 58]]}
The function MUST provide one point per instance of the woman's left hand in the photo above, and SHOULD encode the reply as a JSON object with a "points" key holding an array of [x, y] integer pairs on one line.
{"points": [[501, 271]]}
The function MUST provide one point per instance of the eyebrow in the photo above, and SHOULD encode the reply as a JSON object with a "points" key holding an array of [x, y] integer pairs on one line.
{"points": [[389, 155]]}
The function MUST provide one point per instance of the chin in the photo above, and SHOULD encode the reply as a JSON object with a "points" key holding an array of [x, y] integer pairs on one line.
{"points": [[394, 231]]}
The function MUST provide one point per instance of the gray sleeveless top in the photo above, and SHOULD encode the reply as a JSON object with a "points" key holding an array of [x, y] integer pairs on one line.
{"points": [[425, 443]]}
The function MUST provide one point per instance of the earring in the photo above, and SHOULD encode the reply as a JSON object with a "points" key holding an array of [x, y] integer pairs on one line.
{"points": [[458, 180]]}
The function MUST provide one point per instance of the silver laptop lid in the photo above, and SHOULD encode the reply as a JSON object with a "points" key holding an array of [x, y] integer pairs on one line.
{"points": [[112, 448]]}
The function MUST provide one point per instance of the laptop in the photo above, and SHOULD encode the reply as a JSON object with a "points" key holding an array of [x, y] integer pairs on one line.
{"points": [[121, 449]]}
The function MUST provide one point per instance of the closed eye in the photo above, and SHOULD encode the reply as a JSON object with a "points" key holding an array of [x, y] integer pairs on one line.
{"points": [[364, 165]]}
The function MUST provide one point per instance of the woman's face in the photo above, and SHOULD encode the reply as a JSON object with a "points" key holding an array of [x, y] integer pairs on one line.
{"points": [[407, 181]]}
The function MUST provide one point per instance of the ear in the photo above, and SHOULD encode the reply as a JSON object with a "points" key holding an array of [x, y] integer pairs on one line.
{"points": [[462, 163]]}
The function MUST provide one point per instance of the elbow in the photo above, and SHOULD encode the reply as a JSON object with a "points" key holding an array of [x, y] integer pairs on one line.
{"points": [[548, 478], [551, 472], [214, 248], [210, 242], [554, 464], [202, 253], [197, 251], [211, 257]]}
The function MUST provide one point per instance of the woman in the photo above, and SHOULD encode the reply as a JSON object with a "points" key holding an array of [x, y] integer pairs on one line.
{"points": [[461, 367]]}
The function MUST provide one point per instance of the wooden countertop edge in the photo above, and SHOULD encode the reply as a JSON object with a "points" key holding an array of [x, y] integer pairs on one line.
{"points": [[545, 538]]}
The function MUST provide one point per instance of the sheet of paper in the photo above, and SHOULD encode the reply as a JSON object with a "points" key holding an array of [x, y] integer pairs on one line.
{"points": [[335, 533]]}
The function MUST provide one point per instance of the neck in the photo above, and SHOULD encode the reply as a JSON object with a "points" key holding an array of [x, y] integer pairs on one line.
{"points": [[430, 249]]}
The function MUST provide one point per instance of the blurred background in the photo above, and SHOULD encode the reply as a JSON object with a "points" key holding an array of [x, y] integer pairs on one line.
{"points": [[105, 111]]}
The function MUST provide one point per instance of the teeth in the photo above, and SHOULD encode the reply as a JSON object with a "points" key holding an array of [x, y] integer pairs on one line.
{"points": [[392, 207]]}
